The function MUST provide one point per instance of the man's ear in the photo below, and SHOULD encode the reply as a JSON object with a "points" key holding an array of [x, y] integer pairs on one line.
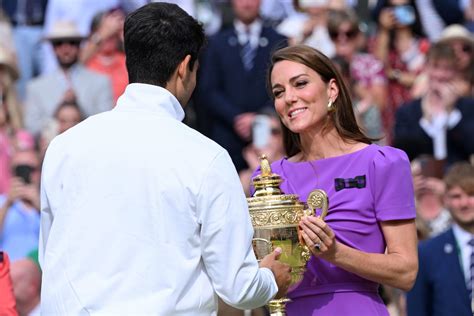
{"points": [[183, 67]]}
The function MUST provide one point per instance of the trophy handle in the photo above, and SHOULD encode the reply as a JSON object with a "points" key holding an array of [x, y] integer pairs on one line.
{"points": [[317, 199]]}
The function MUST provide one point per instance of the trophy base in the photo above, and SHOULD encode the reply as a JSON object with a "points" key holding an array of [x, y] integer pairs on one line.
{"points": [[277, 307]]}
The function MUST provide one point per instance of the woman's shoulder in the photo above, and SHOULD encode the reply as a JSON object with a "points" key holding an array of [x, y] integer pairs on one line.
{"points": [[387, 157]]}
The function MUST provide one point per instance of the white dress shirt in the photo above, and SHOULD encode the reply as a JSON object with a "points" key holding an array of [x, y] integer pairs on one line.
{"points": [[142, 215]]}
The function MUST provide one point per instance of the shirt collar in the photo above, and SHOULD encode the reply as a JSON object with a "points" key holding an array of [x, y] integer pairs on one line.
{"points": [[150, 98], [254, 29], [462, 236]]}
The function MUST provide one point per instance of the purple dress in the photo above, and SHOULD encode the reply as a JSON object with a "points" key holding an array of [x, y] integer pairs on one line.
{"points": [[364, 188]]}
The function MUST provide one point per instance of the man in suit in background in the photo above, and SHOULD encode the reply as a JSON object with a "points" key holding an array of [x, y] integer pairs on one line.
{"points": [[71, 81], [446, 263], [232, 85]]}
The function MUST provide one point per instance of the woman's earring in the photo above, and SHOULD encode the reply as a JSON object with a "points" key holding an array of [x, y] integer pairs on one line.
{"points": [[330, 106]]}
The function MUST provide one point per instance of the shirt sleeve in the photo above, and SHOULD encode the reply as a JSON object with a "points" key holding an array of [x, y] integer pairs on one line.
{"points": [[226, 237], [392, 185]]}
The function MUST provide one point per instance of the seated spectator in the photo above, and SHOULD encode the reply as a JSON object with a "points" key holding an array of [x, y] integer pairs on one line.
{"points": [[7, 298], [401, 46], [19, 208], [462, 42], [429, 193], [441, 123], [363, 72], [106, 56], [26, 281], [444, 285], [12, 136], [66, 116], [93, 91]]}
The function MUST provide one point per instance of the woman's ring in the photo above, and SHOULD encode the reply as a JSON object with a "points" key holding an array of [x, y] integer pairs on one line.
{"points": [[317, 246]]}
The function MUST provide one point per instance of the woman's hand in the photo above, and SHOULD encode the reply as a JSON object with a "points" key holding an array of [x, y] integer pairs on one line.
{"points": [[318, 236]]}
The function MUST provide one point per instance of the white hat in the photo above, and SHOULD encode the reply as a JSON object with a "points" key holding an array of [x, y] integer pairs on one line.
{"points": [[64, 30], [456, 31], [305, 4], [7, 60]]}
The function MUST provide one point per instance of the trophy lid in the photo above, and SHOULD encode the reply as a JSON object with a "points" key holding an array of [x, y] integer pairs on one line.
{"points": [[268, 194]]}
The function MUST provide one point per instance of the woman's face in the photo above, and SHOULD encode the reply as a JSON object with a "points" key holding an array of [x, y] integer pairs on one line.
{"points": [[345, 40], [301, 96], [67, 117]]}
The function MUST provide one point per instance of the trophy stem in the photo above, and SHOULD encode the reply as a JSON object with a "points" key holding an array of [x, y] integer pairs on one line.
{"points": [[277, 307]]}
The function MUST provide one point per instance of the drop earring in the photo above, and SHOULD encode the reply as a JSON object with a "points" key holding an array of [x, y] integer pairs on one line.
{"points": [[330, 106]]}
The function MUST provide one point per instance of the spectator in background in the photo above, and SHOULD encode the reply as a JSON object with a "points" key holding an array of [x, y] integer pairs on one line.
{"points": [[19, 208], [266, 140], [72, 81], [444, 285], [26, 281], [429, 193], [67, 115], [462, 42], [434, 15], [232, 78], [441, 123], [309, 28], [12, 136], [363, 72], [81, 13], [108, 57], [27, 18], [7, 298], [400, 45]]}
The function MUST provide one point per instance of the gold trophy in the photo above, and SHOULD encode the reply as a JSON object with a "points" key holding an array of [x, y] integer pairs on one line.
{"points": [[275, 218]]}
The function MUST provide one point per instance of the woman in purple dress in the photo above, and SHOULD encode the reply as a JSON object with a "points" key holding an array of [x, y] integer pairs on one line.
{"points": [[368, 237]]}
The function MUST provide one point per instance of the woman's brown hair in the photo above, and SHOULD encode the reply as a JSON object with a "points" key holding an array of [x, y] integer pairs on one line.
{"points": [[342, 117]]}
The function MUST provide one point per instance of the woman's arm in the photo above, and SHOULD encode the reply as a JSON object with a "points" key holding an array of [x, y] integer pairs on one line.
{"points": [[397, 267]]}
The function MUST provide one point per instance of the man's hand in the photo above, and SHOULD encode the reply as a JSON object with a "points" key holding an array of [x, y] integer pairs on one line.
{"points": [[281, 271]]}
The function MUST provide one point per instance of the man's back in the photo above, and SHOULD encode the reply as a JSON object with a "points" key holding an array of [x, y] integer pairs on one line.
{"points": [[138, 222]]}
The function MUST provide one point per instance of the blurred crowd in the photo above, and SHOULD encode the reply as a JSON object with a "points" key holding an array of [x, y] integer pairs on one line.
{"points": [[409, 64]]}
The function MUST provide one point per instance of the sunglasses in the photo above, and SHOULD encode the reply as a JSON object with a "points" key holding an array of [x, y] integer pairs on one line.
{"points": [[351, 34], [466, 48], [63, 42]]}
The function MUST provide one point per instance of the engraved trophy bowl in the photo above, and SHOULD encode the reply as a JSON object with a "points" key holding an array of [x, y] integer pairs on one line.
{"points": [[275, 217]]}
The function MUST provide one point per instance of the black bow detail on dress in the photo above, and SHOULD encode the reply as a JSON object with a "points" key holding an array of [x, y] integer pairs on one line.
{"points": [[357, 182]]}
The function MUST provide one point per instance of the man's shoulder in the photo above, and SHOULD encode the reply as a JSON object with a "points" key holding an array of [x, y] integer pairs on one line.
{"points": [[42, 81], [198, 141], [90, 75], [270, 32], [412, 106], [437, 243]]}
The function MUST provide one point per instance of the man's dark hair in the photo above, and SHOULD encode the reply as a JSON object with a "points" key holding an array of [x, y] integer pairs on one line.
{"points": [[157, 37]]}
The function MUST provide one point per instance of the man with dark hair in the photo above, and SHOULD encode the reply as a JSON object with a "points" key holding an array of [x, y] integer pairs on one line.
{"points": [[445, 281], [140, 214]]}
